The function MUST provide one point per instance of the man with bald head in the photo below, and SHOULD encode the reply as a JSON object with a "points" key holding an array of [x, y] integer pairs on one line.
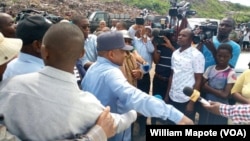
{"points": [[48, 105], [187, 64], [7, 25]]}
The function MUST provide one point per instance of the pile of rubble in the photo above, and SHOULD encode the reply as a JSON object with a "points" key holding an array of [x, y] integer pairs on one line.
{"points": [[67, 8]]}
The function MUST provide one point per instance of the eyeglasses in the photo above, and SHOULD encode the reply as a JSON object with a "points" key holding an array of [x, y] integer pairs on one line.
{"points": [[129, 41], [85, 26]]}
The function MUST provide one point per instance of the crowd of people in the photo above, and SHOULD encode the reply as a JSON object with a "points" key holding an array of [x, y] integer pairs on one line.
{"points": [[43, 98]]}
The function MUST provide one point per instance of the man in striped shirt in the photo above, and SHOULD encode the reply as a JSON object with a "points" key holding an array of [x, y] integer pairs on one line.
{"points": [[237, 113]]}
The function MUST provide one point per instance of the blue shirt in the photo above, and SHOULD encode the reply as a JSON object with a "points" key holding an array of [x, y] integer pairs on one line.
{"points": [[90, 50], [24, 63], [144, 49], [210, 60], [106, 81], [48, 106]]}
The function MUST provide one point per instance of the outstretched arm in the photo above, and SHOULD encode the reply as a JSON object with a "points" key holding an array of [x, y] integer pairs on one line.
{"points": [[237, 113]]}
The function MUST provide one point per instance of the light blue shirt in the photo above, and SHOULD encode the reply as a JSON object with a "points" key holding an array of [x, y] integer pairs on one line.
{"points": [[48, 105], [90, 50], [144, 49], [24, 63], [210, 60], [106, 81]]}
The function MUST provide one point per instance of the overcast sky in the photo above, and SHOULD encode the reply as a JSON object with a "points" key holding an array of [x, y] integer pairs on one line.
{"points": [[243, 2]]}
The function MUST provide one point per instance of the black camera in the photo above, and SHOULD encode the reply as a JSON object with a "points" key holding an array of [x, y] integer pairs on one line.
{"points": [[181, 9], [28, 12], [53, 18], [159, 39], [208, 30]]}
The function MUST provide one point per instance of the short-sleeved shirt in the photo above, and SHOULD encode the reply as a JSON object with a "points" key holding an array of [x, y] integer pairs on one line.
{"points": [[209, 58], [242, 85], [184, 65], [218, 79]]}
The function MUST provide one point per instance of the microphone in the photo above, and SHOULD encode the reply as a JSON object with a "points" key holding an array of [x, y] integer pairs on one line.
{"points": [[195, 95]]}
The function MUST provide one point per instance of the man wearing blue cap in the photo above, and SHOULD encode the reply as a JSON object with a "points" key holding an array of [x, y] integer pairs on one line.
{"points": [[105, 80], [48, 105]]}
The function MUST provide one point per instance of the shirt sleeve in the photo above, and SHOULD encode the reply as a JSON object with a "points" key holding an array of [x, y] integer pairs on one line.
{"points": [[231, 78], [6, 136], [205, 74], [236, 54], [199, 63], [84, 59], [96, 133], [124, 121], [237, 113], [132, 32], [149, 45], [132, 98], [238, 84]]}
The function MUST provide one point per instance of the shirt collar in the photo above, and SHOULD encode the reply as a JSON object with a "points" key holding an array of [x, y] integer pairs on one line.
{"points": [[59, 74], [30, 58], [102, 60]]}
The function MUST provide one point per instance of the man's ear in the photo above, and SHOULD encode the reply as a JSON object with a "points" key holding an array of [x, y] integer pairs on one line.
{"points": [[110, 55], [37, 46]]}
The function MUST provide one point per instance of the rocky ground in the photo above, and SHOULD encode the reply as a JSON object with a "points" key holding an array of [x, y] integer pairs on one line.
{"points": [[67, 8]]}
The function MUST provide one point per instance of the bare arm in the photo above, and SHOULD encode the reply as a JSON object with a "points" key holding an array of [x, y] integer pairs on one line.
{"points": [[156, 54], [220, 93], [197, 86], [166, 99], [238, 97]]}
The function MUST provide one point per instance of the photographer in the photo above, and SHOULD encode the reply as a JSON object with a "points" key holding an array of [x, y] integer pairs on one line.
{"points": [[164, 47], [209, 47]]}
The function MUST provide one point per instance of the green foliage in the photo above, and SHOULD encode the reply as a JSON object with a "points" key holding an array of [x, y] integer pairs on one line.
{"points": [[204, 8]]}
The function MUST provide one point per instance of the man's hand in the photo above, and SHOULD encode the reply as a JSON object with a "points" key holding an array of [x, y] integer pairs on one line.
{"points": [[214, 107], [185, 121], [167, 43], [106, 121], [210, 45]]}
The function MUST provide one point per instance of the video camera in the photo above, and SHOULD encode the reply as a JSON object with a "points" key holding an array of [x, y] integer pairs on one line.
{"points": [[28, 12], [158, 39], [208, 30], [181, 9]]}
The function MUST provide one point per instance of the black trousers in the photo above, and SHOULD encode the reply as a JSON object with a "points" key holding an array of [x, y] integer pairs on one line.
{"points": [[144, 85], [160, 88], [182, 108]]}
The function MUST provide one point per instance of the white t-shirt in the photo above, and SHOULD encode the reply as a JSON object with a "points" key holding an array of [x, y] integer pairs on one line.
{"points": [[246, 36]]}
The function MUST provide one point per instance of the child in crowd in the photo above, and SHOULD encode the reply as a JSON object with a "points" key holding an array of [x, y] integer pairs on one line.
{"points": [[218, 81]]}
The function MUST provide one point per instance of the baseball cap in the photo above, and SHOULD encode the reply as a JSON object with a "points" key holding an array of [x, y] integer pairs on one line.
{"points": [[9, 48], [32, 28], [111, 40]]}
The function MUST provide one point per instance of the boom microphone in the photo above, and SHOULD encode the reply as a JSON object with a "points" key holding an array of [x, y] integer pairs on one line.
{"points": [[195, 95]]}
